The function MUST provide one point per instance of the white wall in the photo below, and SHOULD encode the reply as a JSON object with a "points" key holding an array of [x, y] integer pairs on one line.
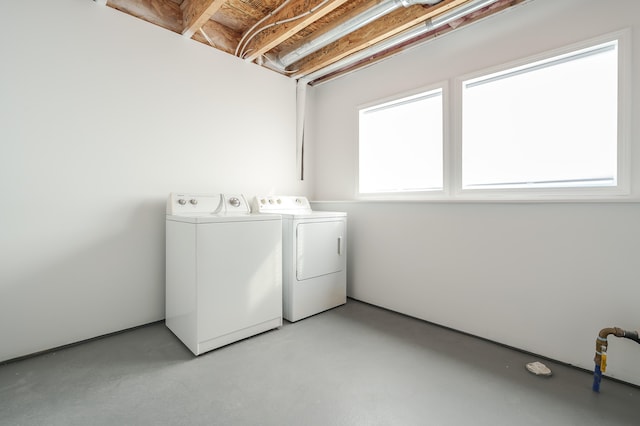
{"points": [[543, 277], [101, 116]]}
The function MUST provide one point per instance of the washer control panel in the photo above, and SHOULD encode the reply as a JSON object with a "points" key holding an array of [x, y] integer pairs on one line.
{"points": [[235, 204], [281, 203], [199, 204]]}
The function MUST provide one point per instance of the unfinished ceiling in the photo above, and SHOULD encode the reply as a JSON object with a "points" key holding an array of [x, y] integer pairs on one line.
{"points": [[312, 40]]}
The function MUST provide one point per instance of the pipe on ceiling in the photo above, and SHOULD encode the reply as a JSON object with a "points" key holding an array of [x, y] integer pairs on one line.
{"points": [[284, 59], [429, 25]]}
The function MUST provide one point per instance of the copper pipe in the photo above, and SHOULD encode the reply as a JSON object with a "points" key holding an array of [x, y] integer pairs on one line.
{"points": [[602, 341], [601, 351]]}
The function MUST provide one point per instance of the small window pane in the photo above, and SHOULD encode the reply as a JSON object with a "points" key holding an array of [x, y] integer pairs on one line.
{"points": [[548, 124], [400, 145]]}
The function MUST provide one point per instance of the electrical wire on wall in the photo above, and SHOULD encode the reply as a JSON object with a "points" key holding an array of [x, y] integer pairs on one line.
{"points": [[301, 106]]}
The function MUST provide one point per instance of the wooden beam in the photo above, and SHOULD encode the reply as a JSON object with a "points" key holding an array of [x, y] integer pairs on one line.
{"points": [[267, 40], [163, 13], [195, 13], [385, 27]]}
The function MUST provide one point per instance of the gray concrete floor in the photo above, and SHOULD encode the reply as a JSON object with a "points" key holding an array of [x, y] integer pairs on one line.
{"points": [[353, 365]]}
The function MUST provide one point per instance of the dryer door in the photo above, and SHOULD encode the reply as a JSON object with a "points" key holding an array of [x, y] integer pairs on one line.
{"points": [[320, 248]]}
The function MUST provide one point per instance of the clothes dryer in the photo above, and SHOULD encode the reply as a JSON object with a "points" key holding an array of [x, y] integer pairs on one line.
{"points": [[314, 253], [223, 270]]}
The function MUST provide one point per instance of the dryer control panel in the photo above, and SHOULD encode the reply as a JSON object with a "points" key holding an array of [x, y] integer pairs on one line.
{"points": [[281, 203]]}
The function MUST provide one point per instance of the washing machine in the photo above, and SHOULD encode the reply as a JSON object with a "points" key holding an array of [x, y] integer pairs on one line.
{"points": [[314, 247], [223, 270]]}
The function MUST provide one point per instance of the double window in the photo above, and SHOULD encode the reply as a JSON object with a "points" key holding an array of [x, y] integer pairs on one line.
{"points": [[547, 127]]}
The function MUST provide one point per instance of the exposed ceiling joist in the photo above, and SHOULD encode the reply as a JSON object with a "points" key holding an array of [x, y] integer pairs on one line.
{"points": [[299, 38], [195, 13]]}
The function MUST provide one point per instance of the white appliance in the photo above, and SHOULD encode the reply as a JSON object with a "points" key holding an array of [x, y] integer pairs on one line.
{"points": [[314, 253], [224, 270]]}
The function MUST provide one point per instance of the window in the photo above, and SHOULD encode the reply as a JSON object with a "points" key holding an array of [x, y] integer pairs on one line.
{"points": [[401, 145], [550, 123], [551, 127]]}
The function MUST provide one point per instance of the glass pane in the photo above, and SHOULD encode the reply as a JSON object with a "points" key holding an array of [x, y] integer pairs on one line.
{"points": [[400, 147], [550, 124]]}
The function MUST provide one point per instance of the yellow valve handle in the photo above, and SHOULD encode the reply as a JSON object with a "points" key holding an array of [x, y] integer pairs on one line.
{"points": [[603, 362]]}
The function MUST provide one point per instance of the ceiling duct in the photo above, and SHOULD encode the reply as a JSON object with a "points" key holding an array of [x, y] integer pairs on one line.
{"points": [[286, 58], [429, 25]]}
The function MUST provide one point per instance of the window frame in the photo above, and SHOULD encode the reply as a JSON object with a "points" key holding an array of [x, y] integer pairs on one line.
{"points": [[622, 189], [443, 86], [452, 93]]}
